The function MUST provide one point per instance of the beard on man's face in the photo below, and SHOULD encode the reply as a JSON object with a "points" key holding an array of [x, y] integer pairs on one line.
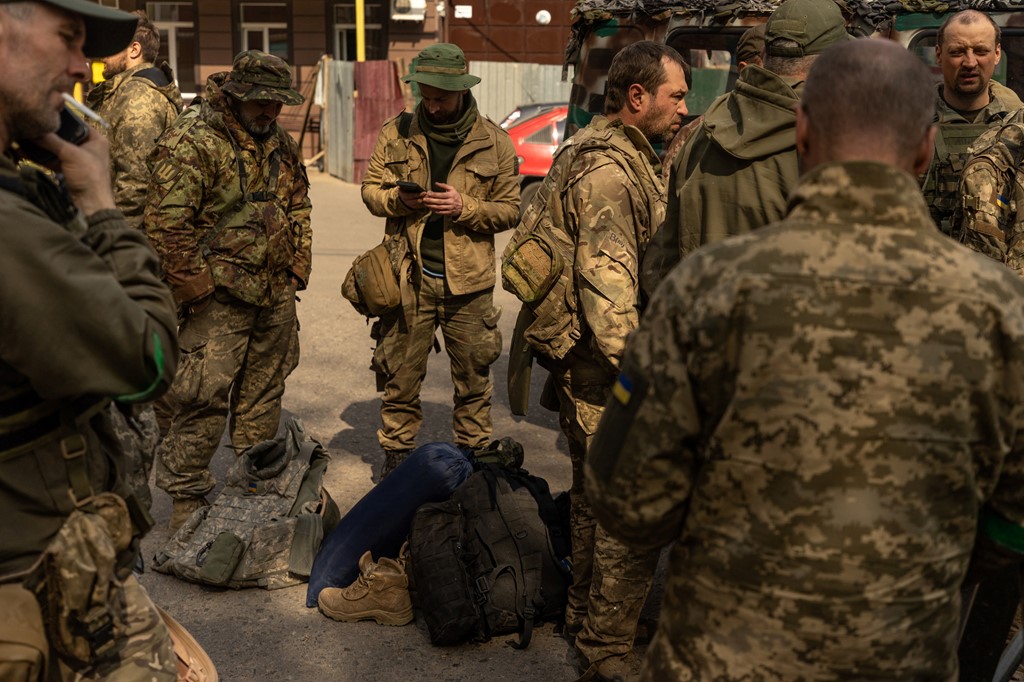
{"points": [[115, 65]]}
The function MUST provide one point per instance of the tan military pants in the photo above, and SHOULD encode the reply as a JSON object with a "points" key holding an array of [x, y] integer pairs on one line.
{"points": [[469, 326], [146, 654], [235, 358], [610, 581]]}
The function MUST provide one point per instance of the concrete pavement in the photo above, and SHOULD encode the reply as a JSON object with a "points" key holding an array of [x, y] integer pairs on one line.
{"points": [[259, 635]]}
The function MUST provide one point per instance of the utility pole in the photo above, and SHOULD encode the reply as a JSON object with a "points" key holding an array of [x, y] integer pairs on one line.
{"points": [[360, 31]]}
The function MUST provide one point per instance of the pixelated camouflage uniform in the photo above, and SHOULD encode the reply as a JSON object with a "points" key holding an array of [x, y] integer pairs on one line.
{"points": [[107, 332], [139, 103], [815, 413], [954, 136], [605, 192], [991, 195], [460, 303], [735, 172], [231, 271]]}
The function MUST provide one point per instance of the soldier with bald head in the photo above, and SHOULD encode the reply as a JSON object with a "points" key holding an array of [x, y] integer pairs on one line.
{"points": [[826, 415]]}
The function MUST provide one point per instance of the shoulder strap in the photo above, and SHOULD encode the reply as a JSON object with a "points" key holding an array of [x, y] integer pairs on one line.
{"points": [[404, 124]]}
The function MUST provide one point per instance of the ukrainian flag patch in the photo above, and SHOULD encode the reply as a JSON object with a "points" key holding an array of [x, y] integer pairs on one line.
{"points": [[1001, 201], [623, 389]]}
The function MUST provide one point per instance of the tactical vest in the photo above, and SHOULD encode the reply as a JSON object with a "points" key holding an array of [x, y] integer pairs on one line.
{"points": [[537, 265], [253, 234], [266, 525], [952, 142]]}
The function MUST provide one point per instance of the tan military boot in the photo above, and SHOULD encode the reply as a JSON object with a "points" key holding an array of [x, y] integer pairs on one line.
{"points": [[381, 592], [183, 509]]}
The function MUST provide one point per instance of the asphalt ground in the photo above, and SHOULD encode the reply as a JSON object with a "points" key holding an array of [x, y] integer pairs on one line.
{"points": [[256, 634]]}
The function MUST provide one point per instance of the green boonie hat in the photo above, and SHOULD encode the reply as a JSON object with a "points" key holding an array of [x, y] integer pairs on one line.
{"points": [[812, 24], [442, 66], [107, 30], [257, 75], [751, 43]]}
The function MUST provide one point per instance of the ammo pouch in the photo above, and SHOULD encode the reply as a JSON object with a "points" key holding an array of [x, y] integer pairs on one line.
{"points": [[23, 646], [78, 584], [537, 266], [373, 283]]}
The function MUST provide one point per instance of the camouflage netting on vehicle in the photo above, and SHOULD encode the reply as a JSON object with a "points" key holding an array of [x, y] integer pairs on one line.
{"points": [[587, 13]]}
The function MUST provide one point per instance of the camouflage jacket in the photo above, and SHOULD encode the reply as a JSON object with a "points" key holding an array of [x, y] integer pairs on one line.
{"points": [[484, 171], [735, 172], [85, 318], [139, 104], [954, 136], [991, 195], [815, 413], [604, 193], [208, 232]]}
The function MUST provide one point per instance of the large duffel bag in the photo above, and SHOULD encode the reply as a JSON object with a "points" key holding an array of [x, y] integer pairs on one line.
{"points": [[380, 521]]}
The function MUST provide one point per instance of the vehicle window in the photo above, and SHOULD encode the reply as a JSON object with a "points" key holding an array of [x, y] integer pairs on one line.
{"points": [[712, 65], [542, 136], [1009, 71], [560, 131]]}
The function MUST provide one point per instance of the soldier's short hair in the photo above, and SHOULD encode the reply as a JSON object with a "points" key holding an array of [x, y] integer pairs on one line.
{"points": [[788, 66], [870, 93], [148, 36], [967, 16], [639, 63]]}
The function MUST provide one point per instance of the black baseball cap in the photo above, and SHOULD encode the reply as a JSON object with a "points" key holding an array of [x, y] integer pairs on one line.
{"points": [[107, 30]]}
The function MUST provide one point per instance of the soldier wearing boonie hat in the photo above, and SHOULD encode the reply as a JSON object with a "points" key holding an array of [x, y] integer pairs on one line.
{"points": [[465, 168], [236, 294]]}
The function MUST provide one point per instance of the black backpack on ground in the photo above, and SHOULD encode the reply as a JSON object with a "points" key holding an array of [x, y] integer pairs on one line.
{"points": [[491, 560]]}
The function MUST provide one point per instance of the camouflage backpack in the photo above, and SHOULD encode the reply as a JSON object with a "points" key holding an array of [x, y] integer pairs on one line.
{"points": [[266, 525]]}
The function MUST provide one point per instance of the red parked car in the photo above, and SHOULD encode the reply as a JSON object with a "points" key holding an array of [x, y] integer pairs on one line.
{"points": [[536, 140]]}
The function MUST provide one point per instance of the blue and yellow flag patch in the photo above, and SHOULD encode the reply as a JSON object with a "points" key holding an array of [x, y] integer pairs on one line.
{"points": [[1001, 201], [623, 389]]}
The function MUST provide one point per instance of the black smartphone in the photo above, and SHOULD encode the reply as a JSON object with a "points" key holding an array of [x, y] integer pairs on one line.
{"points": [[406, 186], [72, 128]]}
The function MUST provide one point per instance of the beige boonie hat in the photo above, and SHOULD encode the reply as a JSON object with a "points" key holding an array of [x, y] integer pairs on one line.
{"points": [[257, 75]]}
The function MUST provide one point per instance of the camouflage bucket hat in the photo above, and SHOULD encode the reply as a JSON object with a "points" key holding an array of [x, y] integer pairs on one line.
{"points": [[257, 75], [812, 24], [107, 30], [442, 66]]}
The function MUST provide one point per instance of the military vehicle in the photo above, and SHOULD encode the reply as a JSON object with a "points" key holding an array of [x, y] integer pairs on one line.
{"points": [[705, 33]]}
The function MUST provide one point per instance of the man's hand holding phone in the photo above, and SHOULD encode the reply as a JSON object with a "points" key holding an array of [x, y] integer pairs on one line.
{"points": [[411, 194]]}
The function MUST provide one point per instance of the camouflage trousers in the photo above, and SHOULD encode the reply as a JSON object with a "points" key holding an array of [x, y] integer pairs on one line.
{"points": [[235, 358], [469, 326], [146, 654], [610, 581]]}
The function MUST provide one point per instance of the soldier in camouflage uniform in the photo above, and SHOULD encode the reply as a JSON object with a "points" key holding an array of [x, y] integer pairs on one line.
{"points": [[991, 200], [736, 172], [821, 414], [228, 212], [468, 166], [86, 321], [605, 193], [139, 101], [969, 102]]}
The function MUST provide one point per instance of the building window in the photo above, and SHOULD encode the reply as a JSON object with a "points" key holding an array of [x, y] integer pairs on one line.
{"points": [[345, 30], [176, 23], [265, 27]]}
